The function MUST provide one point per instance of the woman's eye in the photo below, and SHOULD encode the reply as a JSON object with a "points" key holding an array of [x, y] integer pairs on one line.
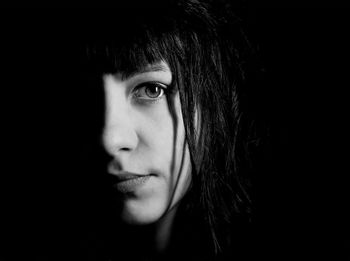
{"points": [[150, 91]]}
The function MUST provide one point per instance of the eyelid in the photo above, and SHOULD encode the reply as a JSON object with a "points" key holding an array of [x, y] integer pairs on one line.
{"points": [[159, 84], [158, 76]]}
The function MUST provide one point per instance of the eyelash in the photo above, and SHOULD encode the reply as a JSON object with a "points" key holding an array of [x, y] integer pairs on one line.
{"points": [[140, 87]]}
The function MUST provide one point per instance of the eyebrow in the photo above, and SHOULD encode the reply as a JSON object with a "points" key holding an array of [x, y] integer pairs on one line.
{"points": [[145, 69]]}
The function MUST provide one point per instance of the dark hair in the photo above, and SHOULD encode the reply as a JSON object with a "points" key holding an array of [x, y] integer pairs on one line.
{"points": [[208, 54]]}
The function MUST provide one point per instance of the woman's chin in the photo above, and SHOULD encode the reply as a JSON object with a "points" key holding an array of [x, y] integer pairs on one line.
{"points": [[138, 212]]}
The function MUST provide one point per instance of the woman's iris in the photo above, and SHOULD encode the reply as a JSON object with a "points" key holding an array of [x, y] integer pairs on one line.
{"points": [[153, 91]]}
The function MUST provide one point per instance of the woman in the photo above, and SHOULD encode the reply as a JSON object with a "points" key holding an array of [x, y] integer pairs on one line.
{"points": [[174, 144]]}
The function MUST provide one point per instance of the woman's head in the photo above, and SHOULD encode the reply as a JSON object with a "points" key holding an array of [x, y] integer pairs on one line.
{"points": [[146, 139], [171, 81]]}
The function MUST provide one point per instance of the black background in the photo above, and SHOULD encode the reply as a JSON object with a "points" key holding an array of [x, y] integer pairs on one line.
{"points": [[300, 193]]}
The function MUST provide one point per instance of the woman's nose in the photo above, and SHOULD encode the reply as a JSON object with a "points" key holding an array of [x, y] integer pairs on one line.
{"points": [[119, 134], [119, 138]]}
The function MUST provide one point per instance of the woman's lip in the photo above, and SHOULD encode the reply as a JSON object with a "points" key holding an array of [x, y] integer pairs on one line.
{"points": [[130, 182], [125, 175], [128, 176]]}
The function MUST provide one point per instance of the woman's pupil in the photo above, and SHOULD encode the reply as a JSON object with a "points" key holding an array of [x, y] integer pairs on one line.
{"points": [[153, 91]]}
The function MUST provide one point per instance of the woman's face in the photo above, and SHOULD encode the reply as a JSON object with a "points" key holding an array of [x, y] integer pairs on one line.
{"points": [[145, 136]]}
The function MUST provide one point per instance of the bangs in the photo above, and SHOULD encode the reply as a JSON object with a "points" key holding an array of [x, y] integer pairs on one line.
{"points": [[133, 47]]}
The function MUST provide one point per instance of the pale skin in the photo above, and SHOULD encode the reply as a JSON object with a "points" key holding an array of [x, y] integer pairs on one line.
{"points": [[146, 138]]}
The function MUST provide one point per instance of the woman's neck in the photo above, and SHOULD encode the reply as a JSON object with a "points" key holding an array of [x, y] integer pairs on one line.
{"points": [[163, 231], [151, 240]]}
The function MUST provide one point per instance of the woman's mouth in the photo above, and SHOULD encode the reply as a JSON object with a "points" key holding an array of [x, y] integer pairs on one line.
{"points": [[129, 182]]}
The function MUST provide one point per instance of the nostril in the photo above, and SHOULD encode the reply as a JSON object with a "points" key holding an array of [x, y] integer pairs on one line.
{"points": [[125, 149]]}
